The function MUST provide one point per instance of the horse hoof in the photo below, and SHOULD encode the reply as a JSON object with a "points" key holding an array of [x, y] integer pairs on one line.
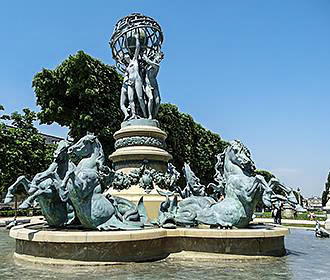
{"points": [[169, 226], [8, 200], [24, 206], [32, 190]]}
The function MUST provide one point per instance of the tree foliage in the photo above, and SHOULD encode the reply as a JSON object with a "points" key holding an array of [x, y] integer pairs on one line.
{"points": [[266, 174], [190, 142], [83, 93], [325, 194], [22, 150]]}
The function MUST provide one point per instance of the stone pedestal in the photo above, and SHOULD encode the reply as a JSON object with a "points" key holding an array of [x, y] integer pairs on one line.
{"points": [[288, 212], [140, 141]]}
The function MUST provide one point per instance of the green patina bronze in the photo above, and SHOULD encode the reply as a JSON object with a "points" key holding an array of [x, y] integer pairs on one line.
{"points": [[84, 186], [44, 188], [67, 193], [242, 190]]}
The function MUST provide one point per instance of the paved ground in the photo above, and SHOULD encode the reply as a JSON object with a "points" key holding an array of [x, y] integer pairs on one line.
{"points": [[5, 220], [287, 221]]}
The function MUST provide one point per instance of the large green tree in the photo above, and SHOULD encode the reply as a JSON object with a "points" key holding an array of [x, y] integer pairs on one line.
{"points": [[190, 142], [22, 150], [83, 93]]}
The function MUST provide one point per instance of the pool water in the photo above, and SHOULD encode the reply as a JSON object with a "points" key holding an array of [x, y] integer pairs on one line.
{"points": [[308, 258]]}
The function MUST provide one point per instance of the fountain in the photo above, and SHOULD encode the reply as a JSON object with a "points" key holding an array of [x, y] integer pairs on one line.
{"points": [[98, 215]]}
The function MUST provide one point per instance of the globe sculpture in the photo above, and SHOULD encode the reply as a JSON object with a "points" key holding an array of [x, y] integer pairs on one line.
{"points": [[136, 47]]}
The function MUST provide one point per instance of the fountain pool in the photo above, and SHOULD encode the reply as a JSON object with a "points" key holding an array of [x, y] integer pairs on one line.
{"points": [[307, 258]]}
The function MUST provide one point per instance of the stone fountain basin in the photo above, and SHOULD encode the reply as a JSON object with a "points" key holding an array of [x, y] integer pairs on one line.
{"points": [[39, 244]]}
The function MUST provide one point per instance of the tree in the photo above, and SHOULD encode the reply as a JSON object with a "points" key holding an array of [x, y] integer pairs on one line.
{"points": [[22, 150], [266, 174], [188, 141], [83, 93], [325, 194]]}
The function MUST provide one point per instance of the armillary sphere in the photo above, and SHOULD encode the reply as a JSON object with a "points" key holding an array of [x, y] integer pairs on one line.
{"points": [[122, 41]]}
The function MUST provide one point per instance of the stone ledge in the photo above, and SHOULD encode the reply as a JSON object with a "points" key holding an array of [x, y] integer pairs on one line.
{"points": [[60, 262], [140, 153], [78, 247], [23, 232], [200, 256]]}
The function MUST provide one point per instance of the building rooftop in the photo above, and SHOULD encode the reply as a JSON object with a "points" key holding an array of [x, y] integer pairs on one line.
{"points": [[49, 139]]}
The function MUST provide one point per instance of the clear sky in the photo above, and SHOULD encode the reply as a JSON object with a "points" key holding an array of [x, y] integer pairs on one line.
{"points": [[258, 71]]}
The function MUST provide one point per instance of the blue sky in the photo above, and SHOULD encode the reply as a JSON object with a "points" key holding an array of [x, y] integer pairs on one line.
{"points": [[258, 71]]}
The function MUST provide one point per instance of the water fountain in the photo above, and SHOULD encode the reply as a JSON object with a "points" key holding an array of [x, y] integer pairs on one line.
{"points": [[99, 215]]}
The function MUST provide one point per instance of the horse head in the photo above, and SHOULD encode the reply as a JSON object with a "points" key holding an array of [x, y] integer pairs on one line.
{"points": [[86, 147], [239, 155], [61, 151]]}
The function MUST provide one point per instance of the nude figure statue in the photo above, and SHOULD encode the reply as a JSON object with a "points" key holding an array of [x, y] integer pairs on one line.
{"points": [[151, 84], [135, 81], [124, 97]]}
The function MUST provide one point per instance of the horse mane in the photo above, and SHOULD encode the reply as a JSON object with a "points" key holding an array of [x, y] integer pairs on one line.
{"points": [[100, 158], [243, 149], [219, 167]]}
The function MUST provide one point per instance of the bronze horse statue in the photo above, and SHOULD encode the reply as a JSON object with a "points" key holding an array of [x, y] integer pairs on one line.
{"points": [[235, 171], [44, 188], [85, 186]]}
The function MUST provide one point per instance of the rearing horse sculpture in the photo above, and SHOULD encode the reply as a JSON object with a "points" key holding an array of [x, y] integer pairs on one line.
{"points": [[45, 189], [84, 186], [243, 189]]}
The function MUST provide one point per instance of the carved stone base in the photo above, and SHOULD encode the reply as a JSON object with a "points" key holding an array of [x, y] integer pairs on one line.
{"points": [[288, 212], [138, 141]]}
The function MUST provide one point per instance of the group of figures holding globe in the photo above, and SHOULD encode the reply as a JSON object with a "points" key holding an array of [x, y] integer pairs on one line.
{"points": [[137, 49]]}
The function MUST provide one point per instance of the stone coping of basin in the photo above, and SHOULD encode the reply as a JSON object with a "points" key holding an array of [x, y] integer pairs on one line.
{"points": [[25, 232]]}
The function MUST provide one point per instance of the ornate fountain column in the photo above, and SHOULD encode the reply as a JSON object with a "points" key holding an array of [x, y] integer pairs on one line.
{"points": [[136, 47], [140, 141]]}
